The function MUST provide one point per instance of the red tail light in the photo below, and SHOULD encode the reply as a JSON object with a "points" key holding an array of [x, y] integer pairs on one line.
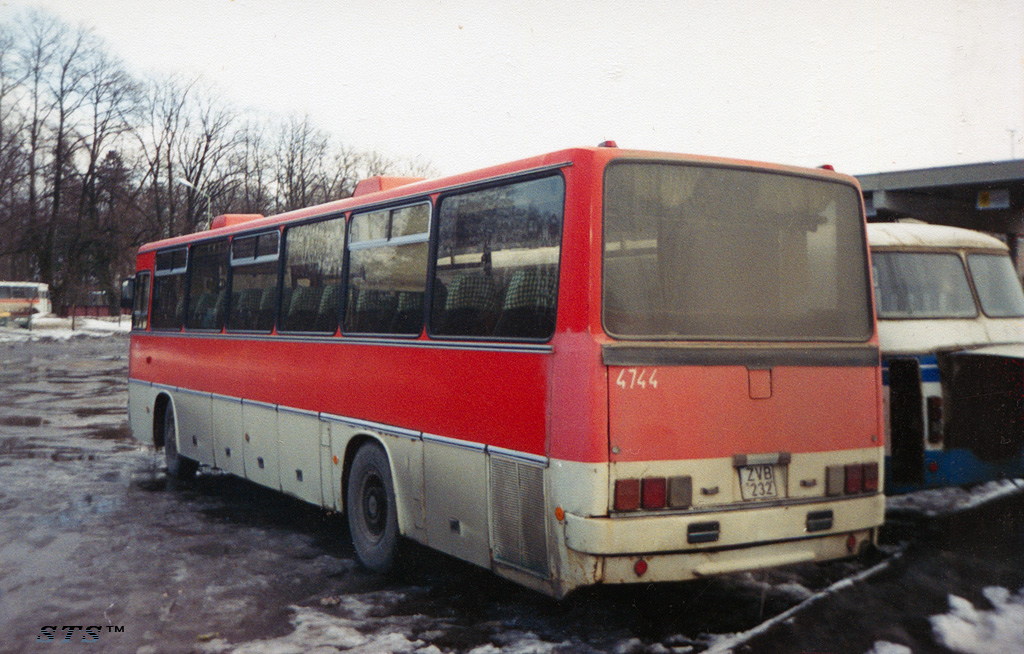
{"points": [[653, 493], [627, 494], [870, 477], [854, 478]]}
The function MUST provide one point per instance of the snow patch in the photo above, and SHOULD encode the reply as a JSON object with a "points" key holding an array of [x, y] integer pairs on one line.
{"points": [[969, 630], [885, 647], [52, 328], [935, 502]]}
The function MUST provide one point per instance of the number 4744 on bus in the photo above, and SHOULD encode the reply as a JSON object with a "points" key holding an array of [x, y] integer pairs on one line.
{"points": [[593, 366]]}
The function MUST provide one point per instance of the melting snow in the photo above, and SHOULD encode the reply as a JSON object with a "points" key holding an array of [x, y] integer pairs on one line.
{"points": [[52, 328], [884, 647], [971, 630], [944, 501]]}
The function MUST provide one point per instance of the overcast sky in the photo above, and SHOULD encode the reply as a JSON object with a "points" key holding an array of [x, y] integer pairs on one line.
{"points": [[858, 84]]}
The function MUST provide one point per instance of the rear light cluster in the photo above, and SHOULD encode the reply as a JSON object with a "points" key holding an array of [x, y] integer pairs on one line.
{"points": [[653, 493], [851, 479]]}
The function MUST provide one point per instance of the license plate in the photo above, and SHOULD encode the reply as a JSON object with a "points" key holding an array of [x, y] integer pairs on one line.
{"points": [[760, 482]]}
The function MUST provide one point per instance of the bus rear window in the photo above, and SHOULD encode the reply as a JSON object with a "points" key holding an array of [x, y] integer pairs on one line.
{"points": [[703, 252], [997, 284], [922, 285]]}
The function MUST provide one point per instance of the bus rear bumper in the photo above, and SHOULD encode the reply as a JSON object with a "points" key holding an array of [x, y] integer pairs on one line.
{"points": [[729, 541], [660, 548], [683, 566], [652, 534]]}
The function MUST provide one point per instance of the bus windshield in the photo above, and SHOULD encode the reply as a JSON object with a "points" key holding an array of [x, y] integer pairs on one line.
{"points": [[997, 284], [700, 252], [922, 285]]}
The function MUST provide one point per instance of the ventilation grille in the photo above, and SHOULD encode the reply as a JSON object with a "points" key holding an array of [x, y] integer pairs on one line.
{"points": [[518, 528]]}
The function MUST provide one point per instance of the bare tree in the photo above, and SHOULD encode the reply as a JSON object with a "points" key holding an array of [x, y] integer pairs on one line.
{"points": [[302, 149], [202, 152], [110, 105], [91, 160], [12, 159], [250, 164], [163, 126]]}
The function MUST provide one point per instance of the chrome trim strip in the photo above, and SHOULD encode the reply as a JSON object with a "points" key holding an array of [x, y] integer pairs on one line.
{"points": [[522, 457], [265, 405], [188, 391], [376, 426], [301, 412], [393, 341], [225, 398], [454, 442]]}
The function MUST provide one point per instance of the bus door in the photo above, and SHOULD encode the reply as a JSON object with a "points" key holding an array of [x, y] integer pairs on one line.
{"points": [[906, 421]]}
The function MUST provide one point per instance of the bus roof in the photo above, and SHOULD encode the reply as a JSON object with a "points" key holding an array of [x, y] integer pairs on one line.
{"points": [[920, 235], [555, 159]]}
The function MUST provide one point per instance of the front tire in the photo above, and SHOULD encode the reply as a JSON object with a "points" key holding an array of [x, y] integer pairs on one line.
{"points": [[372, 511], [178, 467]]}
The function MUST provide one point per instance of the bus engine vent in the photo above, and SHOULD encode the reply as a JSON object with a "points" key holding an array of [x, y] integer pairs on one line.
{"points": [[518, 525]]}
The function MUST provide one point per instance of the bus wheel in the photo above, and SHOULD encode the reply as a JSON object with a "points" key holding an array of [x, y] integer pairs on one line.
{"points": [[178, 467], [372, 513]]}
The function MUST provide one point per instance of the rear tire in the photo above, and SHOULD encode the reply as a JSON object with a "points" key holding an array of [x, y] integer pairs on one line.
{"points": [[178, 467], [372, 511]]}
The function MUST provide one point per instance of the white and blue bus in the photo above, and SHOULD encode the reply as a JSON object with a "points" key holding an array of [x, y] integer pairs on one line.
{"points": [[951, 330]]}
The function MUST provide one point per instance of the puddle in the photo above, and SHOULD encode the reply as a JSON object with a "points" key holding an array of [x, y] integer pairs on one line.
{"points": [[23, 421]]}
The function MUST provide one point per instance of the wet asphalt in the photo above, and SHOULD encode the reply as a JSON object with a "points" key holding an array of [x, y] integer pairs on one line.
{"points": [[92, 534]]}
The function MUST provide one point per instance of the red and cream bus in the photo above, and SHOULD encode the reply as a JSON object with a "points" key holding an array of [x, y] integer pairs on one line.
{"points": [[22, 300], [591, 366]]}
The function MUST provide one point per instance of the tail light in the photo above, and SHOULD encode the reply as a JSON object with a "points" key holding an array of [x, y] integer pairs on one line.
{"points": [[851, 479], [652, 494], [627, 494], [871, 477], [934, 419], [854, 478]]}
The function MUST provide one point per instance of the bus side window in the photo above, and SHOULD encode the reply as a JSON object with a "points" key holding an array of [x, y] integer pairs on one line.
{"points": [[253, 282], [311, 293], [168, 311], [140, 301], [388, 270], [208, 286], [497, 261]]}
